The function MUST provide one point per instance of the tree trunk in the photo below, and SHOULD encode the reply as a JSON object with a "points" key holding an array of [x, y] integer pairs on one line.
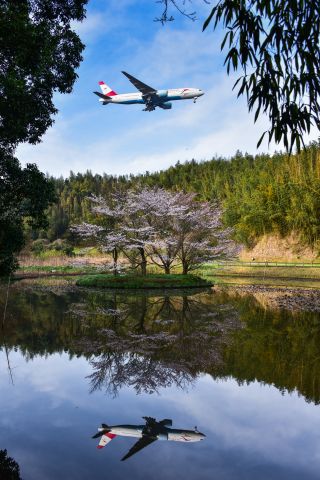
{"points": [[143, 312], [143, 261], [115, 261], [185, 310], [167, 269], [185, 268]]}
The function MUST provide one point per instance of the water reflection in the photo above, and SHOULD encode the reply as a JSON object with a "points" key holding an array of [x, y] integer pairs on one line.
{"points": [[9, 468], [53, 339], [151, 341], [6, 350], [147, 433]]}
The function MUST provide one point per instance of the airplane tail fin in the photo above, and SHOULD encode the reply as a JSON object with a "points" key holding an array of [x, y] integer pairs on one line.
{"points": [[105, 439], [106, 90]]}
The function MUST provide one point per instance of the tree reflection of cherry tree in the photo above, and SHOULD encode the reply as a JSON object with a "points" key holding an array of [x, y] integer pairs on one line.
{"points": [[150, 343], [120, 369]]}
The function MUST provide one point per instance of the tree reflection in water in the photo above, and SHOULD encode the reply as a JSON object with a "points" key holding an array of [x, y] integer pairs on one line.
{"points": [[9, 468], [170, 336], [152, 342]]}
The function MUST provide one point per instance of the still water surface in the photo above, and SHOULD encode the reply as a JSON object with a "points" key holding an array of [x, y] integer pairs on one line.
{"points": [[247, 376]]}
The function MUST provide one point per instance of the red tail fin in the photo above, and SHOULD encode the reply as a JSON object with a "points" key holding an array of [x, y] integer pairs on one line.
{"points": [[105, 439], [106, 90]]}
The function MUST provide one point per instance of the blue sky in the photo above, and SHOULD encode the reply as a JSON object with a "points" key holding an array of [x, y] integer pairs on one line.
{"points": [[117, 139]]}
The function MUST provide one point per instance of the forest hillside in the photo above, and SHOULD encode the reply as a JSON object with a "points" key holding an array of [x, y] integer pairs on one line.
{"points": [[260, 195]]}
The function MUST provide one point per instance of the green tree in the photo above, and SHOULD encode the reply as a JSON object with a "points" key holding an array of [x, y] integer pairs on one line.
{"points": [[24, 196], [39, 53]]}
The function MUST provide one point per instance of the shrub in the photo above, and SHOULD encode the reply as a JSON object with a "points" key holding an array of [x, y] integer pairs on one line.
{"points": [[39, 246], [62, 246]]}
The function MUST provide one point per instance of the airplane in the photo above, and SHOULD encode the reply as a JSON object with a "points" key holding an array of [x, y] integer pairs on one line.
{"points": [[147, 434], [148, 96]]}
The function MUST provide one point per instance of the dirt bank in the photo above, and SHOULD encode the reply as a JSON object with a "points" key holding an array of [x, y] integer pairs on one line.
{"points": [[273, 248]]}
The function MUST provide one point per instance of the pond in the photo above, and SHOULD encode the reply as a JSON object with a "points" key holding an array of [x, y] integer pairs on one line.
{"points": [[225, 363]]}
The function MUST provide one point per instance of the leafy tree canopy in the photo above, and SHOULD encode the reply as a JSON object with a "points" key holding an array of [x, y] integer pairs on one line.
{"points": [[24, 196], [275, 44], [39, 53]]}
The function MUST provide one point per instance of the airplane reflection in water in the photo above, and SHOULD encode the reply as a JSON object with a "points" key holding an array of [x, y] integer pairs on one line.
{"points": [[147, 434]]}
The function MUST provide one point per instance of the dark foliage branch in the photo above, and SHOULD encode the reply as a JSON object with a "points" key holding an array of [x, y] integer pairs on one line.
{"points": [[178, 5], [39, 53], [276, 44]]}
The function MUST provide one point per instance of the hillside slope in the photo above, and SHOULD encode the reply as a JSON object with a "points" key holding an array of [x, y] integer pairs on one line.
{"points": [[273, 248]]}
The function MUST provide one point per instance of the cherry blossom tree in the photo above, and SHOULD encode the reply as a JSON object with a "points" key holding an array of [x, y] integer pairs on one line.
{"points": [[108, 241], [166, 228], [132, 212], [201, 235], [185, 231], [159, 208], [129, 231]]}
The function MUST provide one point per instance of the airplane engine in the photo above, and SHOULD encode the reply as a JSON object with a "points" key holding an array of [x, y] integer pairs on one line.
{"points": [[163, 436], [162, 93], [167, 105]]}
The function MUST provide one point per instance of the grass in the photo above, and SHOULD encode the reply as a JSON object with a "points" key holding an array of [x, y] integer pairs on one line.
{"points": [[44, 271], [148, 281], [262, 271], [268, 282], [31, 265], [59, 269], [271, 274], [87, 251]]}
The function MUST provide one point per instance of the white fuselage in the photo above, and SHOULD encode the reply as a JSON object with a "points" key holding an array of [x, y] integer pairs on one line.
{"points": [[172, 434], [162, 95]]}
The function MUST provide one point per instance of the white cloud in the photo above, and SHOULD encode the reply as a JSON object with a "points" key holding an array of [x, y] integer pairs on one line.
{"points": [[90, 29], [98, 23], [174, 55]]}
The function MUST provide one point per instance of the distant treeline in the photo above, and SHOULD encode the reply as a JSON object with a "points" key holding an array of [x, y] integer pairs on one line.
{"points": [[260, 194]]}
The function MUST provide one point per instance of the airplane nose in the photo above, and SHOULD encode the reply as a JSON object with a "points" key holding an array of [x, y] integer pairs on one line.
{"points": [[201, 92]]}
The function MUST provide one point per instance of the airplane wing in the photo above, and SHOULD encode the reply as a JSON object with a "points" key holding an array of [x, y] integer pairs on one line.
{"points": [[164, 106], [144, 89], [139, 445]]}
